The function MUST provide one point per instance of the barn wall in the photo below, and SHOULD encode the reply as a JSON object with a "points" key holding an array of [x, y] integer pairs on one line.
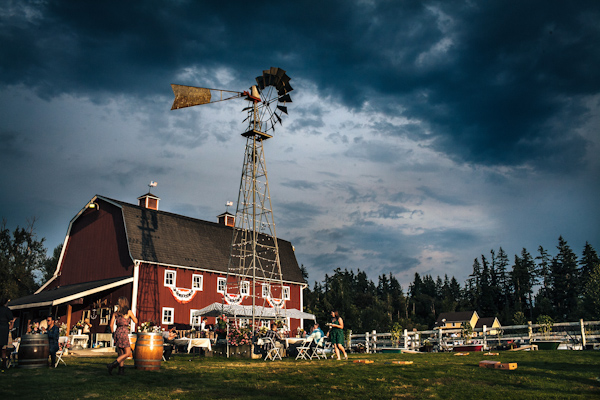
{"points": [[97, 247]]}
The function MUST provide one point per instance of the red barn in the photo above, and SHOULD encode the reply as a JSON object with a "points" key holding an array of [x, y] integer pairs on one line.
{"points": [[168, 265]]}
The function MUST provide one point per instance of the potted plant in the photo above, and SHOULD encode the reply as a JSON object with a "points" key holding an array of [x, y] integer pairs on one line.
{"points": [[545, 323]]}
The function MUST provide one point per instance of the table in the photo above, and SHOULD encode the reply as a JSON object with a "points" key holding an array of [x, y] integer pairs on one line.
{"points": [[79, 341], [191, 342], [105, 338], [294, 341]]}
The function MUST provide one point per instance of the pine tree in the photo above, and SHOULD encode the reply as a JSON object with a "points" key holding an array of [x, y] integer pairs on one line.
{"points": [[564, 280]]}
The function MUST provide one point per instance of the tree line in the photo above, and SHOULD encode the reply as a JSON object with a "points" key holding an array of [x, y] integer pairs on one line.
{"points": [[562, 286]]}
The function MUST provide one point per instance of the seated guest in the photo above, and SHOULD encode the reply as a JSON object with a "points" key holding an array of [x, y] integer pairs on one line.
{"points": [[316, 334], [273, 334], [53, 334], [169, 337]]}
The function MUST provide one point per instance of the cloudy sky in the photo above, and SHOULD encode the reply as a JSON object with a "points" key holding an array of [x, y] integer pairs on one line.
{"points": [[422, 134]]}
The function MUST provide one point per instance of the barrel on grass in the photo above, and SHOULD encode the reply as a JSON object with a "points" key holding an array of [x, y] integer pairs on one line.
{"points": [[34, 351], [148, 351]]}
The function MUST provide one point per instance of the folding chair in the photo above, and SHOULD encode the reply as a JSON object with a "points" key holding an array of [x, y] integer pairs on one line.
{"points": [[273, 353], [321, 349], [304, 350], [61, 351]]}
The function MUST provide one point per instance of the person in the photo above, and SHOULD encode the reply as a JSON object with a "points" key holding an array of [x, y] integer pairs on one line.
{"points": [[121, 318], [34, 328], [6, 324], [53, 334], [336, 334], [203, 327], [87, 325], [315, 334], [273, 334], [169, 337]]}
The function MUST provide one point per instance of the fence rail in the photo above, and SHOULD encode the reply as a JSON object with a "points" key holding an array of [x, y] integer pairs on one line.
{"points": [[573, 335]]}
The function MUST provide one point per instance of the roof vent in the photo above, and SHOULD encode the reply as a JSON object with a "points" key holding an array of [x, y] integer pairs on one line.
{"points": [[149, 201]]}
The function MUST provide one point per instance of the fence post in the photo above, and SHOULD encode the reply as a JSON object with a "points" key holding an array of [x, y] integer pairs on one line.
{"points": [[529, 331], [440, 338], [367, 347], [484, 337], [374, 333], [406, 339], [582, 334]]}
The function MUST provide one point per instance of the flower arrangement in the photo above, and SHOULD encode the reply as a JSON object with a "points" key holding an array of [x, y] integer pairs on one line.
{"points": [[63, 329], [65, 345], [300, 332], [262, 331], [239, 336], [77, 326], [149, 327]]}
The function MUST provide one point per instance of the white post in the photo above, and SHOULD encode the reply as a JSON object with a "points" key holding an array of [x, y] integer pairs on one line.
{"points": [[367, 347], [484, 337], [582, 334], [374, 333], [406, 339]]}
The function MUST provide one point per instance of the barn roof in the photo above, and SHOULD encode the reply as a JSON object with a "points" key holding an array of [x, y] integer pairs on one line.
{"points": [[167, 238]]}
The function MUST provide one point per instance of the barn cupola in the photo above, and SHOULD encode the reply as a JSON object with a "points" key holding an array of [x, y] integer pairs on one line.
{"points": [[149, 201], [227, 219]]}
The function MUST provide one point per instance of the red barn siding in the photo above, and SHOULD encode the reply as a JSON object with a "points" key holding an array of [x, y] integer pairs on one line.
{"points": [[97, 247]]}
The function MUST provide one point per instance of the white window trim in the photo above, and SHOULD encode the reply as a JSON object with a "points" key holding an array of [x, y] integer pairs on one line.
{"points": [[201, 282], [266, 290], [224, 280], [169, 272], [164, 321], [287, 294], [198, 317], [245, 288]]}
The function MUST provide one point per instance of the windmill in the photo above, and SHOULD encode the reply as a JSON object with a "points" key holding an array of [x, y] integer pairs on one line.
{"points": [[254, 268]]}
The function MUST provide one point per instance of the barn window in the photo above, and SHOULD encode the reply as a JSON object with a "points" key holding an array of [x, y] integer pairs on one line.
{"points": [[170, 278], [266, 290], [286, 292], [196, 282], [245, 288], [195, 318], [168, 314], [221, 285]]}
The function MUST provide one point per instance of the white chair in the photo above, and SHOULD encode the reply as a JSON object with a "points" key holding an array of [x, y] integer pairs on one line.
{"points": [[321, 349], [273, 353], [61, 350], [304, 351]]}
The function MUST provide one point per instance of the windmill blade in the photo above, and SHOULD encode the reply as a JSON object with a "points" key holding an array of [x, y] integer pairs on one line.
{"points": [[285, 99], [283, 109], [284, 89], [188, 96]]}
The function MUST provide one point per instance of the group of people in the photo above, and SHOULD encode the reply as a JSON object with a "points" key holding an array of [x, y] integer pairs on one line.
{"points": [[335, 335], [122, 318]]}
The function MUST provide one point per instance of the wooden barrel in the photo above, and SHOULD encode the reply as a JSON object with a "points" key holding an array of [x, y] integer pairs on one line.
{"points": [[34, 351], [148, 351]]}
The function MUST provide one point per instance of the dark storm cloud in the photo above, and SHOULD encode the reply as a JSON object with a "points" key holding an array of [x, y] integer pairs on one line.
{"points": [[486, 81]]}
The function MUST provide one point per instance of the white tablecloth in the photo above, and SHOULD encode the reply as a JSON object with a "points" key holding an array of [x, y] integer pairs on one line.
{"points": [[201, 342], [79, 340], [294, 340]]}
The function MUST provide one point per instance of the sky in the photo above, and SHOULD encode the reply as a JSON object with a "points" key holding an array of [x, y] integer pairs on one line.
{"points": [[422, 134]]}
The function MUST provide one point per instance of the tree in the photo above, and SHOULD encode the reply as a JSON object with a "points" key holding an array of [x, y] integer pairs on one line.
{"points": [[591, 294], [50, 264], [22, 255], [564, 280]]}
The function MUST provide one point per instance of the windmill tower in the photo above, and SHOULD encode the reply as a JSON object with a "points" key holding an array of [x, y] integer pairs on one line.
{"points": [[254, 275]]}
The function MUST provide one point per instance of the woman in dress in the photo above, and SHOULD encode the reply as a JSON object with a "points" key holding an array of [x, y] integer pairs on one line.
{"points": [[122, 317], [336, 334]]}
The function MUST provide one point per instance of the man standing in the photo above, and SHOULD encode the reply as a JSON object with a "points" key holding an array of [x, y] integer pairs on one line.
{"points": [[6, 324], [53, 335]]}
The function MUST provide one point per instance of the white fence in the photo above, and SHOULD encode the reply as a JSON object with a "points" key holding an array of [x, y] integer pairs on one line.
{"points": [[573, 335]]}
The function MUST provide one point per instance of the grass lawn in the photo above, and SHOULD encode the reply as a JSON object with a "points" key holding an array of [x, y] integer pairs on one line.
{"points": [[540, 375]]}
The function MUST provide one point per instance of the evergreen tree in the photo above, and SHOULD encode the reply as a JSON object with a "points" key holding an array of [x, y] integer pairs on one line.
{"points": [[589, 261], [564, 280]]}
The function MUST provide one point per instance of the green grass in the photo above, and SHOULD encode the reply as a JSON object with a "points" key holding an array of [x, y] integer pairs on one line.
{"points": [[540, 375]]}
